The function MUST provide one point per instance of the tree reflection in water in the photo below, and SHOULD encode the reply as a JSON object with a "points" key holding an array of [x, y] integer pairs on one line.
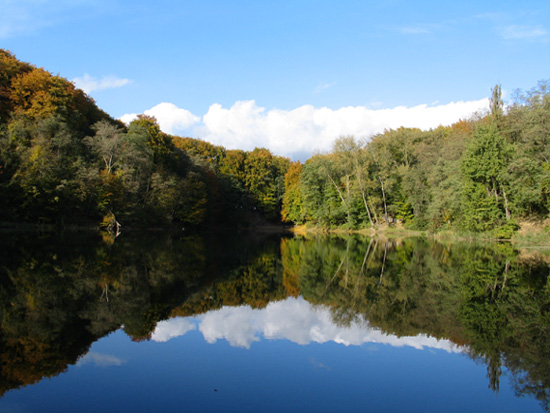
{"points": [[60, 294]]}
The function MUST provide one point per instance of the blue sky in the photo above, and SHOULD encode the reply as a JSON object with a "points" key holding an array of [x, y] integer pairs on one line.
{"points": [[288, 75]]}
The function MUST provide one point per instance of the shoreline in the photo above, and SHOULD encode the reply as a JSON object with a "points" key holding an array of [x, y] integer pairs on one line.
{"points": [[535, 237], [531, 235]]}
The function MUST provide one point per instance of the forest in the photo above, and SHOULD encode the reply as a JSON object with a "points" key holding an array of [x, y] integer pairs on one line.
{"points": [[483, 174], [64, 161]]}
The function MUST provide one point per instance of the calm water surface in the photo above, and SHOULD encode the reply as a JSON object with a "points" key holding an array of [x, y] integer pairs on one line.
{"points": [[149, 322]]}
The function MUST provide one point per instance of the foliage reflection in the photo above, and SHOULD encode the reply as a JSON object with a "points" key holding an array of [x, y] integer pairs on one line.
{"points": [[59, 295]]}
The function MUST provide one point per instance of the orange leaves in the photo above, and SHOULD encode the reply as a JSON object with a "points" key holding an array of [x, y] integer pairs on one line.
{"points": [[36, 93]]}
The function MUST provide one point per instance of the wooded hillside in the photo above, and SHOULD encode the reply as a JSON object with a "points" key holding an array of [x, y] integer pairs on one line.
{"points": [[64, 161]]}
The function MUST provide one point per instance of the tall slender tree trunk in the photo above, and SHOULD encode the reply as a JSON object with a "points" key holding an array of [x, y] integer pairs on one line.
{"points": [[367, 208], [334, 276], [339, 193], [358, 175], [384, 199], [366, 256], [506, 208], [383, 262], [375, 215], [495, 187]]}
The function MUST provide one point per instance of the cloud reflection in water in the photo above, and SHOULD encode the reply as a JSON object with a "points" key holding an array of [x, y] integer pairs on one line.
{"points": [[99, 360], [292, 319]]}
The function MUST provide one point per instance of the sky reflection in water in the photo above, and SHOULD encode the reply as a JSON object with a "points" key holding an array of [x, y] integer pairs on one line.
{"points": [[291, 319], [289, 356]]}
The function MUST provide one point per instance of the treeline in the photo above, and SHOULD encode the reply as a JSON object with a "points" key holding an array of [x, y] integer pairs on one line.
{"points": [[64, 161], [482, 174]]}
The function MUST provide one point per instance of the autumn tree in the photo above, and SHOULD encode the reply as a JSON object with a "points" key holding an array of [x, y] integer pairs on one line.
{"points": [[292, 208]]}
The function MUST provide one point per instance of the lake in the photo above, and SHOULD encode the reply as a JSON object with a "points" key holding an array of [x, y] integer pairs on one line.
{"points": [[263, 322]]}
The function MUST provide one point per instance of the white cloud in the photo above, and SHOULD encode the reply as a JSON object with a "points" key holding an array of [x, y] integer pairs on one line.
{"points": [[295, 320], [522, 32], [299, 132], [101, 360], [89, 84], [307, 129], [171, 119], [129, 117]]}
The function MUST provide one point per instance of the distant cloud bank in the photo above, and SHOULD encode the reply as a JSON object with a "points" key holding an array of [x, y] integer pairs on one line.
{"points": [[293, 319], [299, 132], [170, 118]]}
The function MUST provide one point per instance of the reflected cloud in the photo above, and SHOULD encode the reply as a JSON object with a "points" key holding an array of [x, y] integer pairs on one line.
{"points": [[169, 329], [100, 360], [238, 325], [316, 363], [293, 319]]}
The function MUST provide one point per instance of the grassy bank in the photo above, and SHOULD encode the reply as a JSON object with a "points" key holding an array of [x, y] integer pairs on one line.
{"points": [[531, 233]]}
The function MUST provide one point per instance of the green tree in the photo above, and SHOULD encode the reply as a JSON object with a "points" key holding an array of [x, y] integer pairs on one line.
{"points": [[292, 208], [107, 144], [322, 196], [485, 162], [264, 180]]}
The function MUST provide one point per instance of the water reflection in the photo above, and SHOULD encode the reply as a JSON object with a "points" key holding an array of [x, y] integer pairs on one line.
{"points": [[292, 319], [101, 360], [60, 294]]}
